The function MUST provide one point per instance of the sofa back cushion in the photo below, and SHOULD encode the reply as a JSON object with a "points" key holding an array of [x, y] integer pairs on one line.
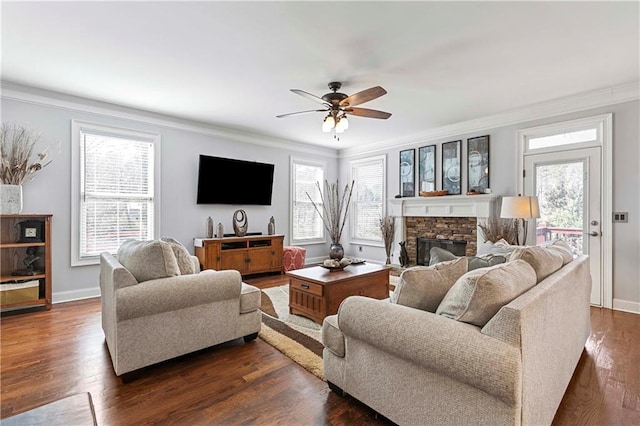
{"points": [[564, 249], [423, 287], [148, 260], [183, 257], [479, 294], [543, 260]]}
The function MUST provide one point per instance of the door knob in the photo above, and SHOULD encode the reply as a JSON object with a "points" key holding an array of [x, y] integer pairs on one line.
{"points": [[593, 233]]}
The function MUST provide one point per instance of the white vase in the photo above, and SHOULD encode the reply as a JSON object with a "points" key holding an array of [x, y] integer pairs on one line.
{"points": [[10, 199]]}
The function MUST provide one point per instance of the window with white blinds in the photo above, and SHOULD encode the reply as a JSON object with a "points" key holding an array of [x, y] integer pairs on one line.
{"points": [[116, 183], [368, 200], [306, 224]]}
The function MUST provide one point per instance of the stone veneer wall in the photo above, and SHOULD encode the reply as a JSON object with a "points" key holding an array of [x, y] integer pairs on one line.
{"points": [[443, 228]]}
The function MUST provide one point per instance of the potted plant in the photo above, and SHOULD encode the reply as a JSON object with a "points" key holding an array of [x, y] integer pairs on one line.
{"points": [[335, 207], [18, 164]]}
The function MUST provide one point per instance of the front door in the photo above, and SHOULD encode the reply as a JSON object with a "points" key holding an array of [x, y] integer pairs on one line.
{"points": [[568, 186]]}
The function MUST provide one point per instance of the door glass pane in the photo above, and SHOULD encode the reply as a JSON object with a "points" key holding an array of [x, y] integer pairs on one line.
{"points": [[560, 190], [563, 139]]}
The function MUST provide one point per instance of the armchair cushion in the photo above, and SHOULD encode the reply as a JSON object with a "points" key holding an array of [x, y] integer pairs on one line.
{"points": [[423, 287], [148, 260], [479, 294], [183, 257]]}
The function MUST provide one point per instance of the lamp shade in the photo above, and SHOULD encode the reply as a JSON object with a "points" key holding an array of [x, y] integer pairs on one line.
{"points": [[520, 207]]}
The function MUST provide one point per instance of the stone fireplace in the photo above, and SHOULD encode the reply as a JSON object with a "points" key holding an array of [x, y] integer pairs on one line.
{"points": [[452, 217]]}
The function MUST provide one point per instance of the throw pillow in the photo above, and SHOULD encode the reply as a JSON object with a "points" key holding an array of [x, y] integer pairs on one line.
{"points": [[423, 287], [479, 294], [474, 262], [544, 261], [148, 260], [564, 249], [183, 257]]}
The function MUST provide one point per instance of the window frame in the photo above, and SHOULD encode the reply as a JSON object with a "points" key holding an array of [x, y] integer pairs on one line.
{"points": [[79, 127], [352, 215], [293, 161]]}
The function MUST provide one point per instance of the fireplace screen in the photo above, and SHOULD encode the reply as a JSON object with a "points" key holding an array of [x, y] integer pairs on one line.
{"points": [[424, 246]]}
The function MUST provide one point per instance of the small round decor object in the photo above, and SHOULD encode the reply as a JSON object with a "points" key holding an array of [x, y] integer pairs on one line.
{"points": [[355, 261]]}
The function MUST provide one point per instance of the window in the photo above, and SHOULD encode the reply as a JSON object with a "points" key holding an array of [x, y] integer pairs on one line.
{"points": [[114, 189], [368, 201], [306, 224]]}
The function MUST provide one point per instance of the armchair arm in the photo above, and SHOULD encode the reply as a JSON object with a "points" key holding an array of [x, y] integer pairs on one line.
{"points": [[455, 349], [174, 293], [113, 275]]}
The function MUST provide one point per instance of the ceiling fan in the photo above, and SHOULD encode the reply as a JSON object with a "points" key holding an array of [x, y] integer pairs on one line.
{"points": [[338, 106]]}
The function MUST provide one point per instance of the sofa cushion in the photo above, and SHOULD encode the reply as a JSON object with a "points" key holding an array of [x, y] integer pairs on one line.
{"points": [[564, 249], [423, 287], [183, 257], [544, 261], [479, 294], [438, 255], [148, 260], [249, 298]]}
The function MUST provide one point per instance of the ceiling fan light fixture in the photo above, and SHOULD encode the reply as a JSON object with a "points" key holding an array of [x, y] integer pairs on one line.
{"points": [[328, 123], [342, 125]]}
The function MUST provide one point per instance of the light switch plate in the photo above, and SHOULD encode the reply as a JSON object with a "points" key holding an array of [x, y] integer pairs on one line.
{"points": [[620, 217]]}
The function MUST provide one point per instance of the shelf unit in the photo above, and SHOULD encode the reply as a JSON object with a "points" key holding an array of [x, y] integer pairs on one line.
{"points": [[249, 255], [13, 251]]}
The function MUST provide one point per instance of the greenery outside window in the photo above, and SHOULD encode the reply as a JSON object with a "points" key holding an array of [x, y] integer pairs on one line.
{"points": [[368, 202], [114, 189]]}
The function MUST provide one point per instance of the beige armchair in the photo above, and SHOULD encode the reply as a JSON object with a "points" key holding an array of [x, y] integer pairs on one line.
{"points": [[157, 305]]}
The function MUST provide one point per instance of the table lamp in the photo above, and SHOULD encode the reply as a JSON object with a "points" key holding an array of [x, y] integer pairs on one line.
{"points": [[523, 208]]}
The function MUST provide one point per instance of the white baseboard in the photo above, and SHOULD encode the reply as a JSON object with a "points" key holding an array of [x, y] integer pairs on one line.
{"points": [[626, 306], [69, 296]]}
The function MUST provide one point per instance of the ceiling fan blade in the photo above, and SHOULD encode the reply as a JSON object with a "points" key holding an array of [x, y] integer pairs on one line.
{"points": [[301, 112], [365, 112], [309, 96], [364, 96]]}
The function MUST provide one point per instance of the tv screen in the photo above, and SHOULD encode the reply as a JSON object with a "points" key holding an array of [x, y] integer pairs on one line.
{"points": [[229, 181]]}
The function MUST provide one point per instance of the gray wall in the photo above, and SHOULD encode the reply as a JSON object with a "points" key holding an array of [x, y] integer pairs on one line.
{"points": [[181, 218], [503, 179]]}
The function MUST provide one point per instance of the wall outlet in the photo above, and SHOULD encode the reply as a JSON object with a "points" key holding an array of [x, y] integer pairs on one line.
{"points": [[620, 217]]}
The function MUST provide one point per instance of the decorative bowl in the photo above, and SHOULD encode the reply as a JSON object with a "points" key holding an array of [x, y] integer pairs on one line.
{"points": [[334, 268], [433, 193]]}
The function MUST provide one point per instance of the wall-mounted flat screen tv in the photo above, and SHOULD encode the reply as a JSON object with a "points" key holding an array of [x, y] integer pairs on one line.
{"points": [[229, 181]]}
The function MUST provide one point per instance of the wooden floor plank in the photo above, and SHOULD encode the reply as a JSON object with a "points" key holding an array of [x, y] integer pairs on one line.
{"points": [[47, 355]]}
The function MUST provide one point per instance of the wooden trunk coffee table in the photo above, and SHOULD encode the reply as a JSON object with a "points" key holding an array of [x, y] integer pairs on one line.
{"points": [[317, 292]]}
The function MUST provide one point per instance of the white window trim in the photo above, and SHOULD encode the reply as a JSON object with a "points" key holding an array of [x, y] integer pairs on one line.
{"points": [[359, 241], [77, 127], [300, 160], [604, 124]]}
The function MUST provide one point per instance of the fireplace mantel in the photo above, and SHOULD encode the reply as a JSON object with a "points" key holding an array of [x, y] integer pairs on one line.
{"points": [[445, 206]]}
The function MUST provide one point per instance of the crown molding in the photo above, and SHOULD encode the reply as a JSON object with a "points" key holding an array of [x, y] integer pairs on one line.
{"points": [[38, 96], [584, 101]]}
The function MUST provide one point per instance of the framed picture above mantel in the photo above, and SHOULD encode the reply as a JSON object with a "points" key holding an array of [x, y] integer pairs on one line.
{"points": [[427, 168], [478, 164], [407, 173], [451, 170]]}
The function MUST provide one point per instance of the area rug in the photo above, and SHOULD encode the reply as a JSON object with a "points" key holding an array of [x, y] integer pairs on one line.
{"points": [[297, 337]]}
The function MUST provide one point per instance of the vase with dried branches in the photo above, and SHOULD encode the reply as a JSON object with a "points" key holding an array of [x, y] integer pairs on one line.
{"points": [[333, 212], [19, 163], [387, 228], [496, 228]]}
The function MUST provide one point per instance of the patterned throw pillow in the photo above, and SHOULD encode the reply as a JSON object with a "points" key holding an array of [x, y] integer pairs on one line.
{"points": [[183, 257], [474, 262], [479, 294]]}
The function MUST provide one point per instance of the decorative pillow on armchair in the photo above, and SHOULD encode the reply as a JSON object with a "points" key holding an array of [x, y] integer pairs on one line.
{"points": [[479, 294], [148, 260], [423, 287], [183, 257]]}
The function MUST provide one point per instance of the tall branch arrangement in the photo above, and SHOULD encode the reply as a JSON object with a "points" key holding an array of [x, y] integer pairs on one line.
{"points": [[18, 163], [387, 227], [334, 208], [497, 228]]}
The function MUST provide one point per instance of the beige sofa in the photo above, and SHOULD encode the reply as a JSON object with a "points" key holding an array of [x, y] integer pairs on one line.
{"points": [[417, 367], [157, 305]]}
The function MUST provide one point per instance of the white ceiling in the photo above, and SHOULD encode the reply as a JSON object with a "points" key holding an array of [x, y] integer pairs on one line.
{"points": [[231, 64]]}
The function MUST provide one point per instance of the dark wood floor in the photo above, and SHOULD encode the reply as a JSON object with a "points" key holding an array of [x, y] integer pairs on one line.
{"points": [[47, 355]]}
